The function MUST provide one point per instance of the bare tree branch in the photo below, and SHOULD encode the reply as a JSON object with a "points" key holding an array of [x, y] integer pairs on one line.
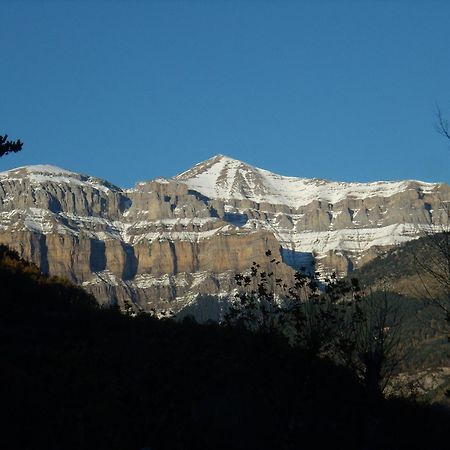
{"points": [[442, 125]]}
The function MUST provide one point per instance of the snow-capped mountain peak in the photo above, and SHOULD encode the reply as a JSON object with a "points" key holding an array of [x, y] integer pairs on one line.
{"points": [[223, 177]]}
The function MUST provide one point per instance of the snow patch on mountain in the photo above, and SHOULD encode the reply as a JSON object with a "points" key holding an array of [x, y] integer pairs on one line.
{"points": [[41, 173]]}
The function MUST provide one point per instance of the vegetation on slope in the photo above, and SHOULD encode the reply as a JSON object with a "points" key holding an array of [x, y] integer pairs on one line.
{"points": [[418, 298], [401, 268], [76, 376]]}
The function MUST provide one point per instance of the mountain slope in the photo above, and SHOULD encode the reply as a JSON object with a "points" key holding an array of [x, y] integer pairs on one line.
{"points": [[406, 268], [417, 298]]}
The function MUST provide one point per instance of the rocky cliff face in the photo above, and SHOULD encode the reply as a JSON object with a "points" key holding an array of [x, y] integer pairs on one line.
{"points": [[164, 242]]}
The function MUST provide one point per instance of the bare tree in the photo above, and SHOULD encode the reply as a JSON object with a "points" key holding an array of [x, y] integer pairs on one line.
{"points": [[433, 266], [433, 262], [375, 352], [442, 125]]}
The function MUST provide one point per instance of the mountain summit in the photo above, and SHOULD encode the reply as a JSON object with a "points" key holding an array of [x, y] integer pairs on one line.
{"points": [[222, 177]]}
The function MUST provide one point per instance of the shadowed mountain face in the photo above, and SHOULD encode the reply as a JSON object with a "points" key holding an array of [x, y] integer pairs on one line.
{"points": [[165, 241]]}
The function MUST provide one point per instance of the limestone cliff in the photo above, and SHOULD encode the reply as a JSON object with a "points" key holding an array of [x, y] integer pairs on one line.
{"points": [[165, 241]]}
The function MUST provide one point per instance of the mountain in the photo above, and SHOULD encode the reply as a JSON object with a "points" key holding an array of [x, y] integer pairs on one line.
{"points": [[339, 223], [164, 242]]}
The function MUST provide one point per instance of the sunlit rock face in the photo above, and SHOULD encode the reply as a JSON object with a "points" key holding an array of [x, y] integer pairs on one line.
{"points": [[167, 241]]}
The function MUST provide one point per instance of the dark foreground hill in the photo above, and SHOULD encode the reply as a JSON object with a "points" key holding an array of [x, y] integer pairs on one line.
{"points": [[73, 376]]}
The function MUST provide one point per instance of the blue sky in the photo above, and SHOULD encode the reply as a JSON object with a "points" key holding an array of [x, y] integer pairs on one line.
{"points": [[132, 90]]}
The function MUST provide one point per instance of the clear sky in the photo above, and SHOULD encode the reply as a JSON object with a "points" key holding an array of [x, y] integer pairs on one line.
{"points": [[132, 90]]}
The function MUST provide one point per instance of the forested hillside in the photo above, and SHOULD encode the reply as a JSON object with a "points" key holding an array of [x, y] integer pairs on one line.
{"points": [[401, 269], [420, 299], [75, 376]]}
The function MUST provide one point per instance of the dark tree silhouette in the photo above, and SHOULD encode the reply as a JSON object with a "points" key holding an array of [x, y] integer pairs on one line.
{"points": [[9, 146], [328, 318]]}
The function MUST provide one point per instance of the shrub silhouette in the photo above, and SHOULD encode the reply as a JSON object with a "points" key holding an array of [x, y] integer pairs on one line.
{"points": [[325, 318]]}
